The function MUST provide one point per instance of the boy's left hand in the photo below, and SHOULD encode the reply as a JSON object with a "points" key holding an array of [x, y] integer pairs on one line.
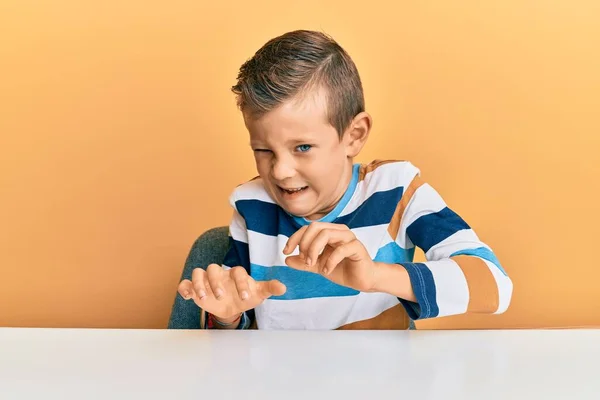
{"points": [[333, 251]]}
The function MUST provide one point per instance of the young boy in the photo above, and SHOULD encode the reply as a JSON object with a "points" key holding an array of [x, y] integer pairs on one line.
{"points": [[319, 242]]}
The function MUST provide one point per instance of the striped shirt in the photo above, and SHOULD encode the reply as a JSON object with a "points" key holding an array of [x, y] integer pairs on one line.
{"points": [[390, 210]]}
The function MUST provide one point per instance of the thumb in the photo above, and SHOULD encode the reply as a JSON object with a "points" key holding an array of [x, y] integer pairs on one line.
{"points": [[271, 288], [299, 262]]}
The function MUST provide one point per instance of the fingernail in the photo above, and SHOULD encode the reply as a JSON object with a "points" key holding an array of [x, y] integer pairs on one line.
{"points": [[308, 262], [202, 294], [218, 293], [186, 295], [244, 295], [325, 270]]}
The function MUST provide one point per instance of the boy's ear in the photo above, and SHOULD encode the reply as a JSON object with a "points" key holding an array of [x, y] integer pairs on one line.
{"points": [[357, 133]]}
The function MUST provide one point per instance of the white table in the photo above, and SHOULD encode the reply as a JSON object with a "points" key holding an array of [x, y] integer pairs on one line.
{"points": [[83, 364]]}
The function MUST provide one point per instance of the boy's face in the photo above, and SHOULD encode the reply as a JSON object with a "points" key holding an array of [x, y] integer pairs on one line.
{"points": [[304, 165]]}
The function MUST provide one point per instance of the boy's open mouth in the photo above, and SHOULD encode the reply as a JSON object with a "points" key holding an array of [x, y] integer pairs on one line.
{"points": [[294, 190]]}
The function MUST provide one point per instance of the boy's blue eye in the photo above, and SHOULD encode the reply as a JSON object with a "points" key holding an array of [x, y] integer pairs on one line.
{"points": [[303, 148]]}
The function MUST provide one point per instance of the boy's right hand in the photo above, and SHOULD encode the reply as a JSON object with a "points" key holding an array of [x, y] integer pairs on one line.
{"points": [[227, 293]]}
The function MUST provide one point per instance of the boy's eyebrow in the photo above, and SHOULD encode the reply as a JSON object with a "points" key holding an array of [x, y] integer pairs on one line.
{"points": [[304, 138], [299, 140]]}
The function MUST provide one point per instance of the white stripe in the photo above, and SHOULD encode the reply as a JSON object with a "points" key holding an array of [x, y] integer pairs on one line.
{"points": [[252, 190], [266, 250], [452, 291], [505, 287], [383, 178], [373, 237], [425, 201], [461, 240], [321, 312]]}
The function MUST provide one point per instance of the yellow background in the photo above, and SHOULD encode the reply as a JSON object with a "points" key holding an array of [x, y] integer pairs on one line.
{"points": [[120, 141]]}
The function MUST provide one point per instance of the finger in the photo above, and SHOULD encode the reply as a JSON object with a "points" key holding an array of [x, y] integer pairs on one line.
{"points": [[185, 289], [209, 291], [352, 251], [326, 237], [215, 278], [270, 288], [294, 240], [312, 232], [198, 278], [322, 260], [240, 278]]}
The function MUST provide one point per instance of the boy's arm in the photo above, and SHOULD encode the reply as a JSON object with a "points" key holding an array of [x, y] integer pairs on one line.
{"points": [[461, 274], [237, 255]]}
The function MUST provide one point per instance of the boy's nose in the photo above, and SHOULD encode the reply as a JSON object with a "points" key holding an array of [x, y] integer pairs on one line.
{"points": [[282, 170]]}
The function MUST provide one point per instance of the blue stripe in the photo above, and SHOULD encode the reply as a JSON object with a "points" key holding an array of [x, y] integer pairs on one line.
{"points": [[482, 252], [376, 210], [270, 219], [300, 284], [423, 285], [431, 229], [266, 218], [237, 254], [391, 253]]}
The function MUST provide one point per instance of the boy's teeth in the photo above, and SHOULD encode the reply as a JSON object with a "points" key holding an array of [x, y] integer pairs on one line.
{"points": [[293, 190]]}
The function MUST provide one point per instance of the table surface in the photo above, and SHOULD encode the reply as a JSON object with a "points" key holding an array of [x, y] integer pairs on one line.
{"points": [[163, 364]]}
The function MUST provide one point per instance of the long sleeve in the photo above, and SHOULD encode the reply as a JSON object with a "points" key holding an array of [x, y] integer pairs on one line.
{"points": [[462, 274]]}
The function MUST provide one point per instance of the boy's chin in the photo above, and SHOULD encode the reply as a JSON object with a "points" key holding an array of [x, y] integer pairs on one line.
{"points": [[297, 212], [310, 215], [301, 212]]}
